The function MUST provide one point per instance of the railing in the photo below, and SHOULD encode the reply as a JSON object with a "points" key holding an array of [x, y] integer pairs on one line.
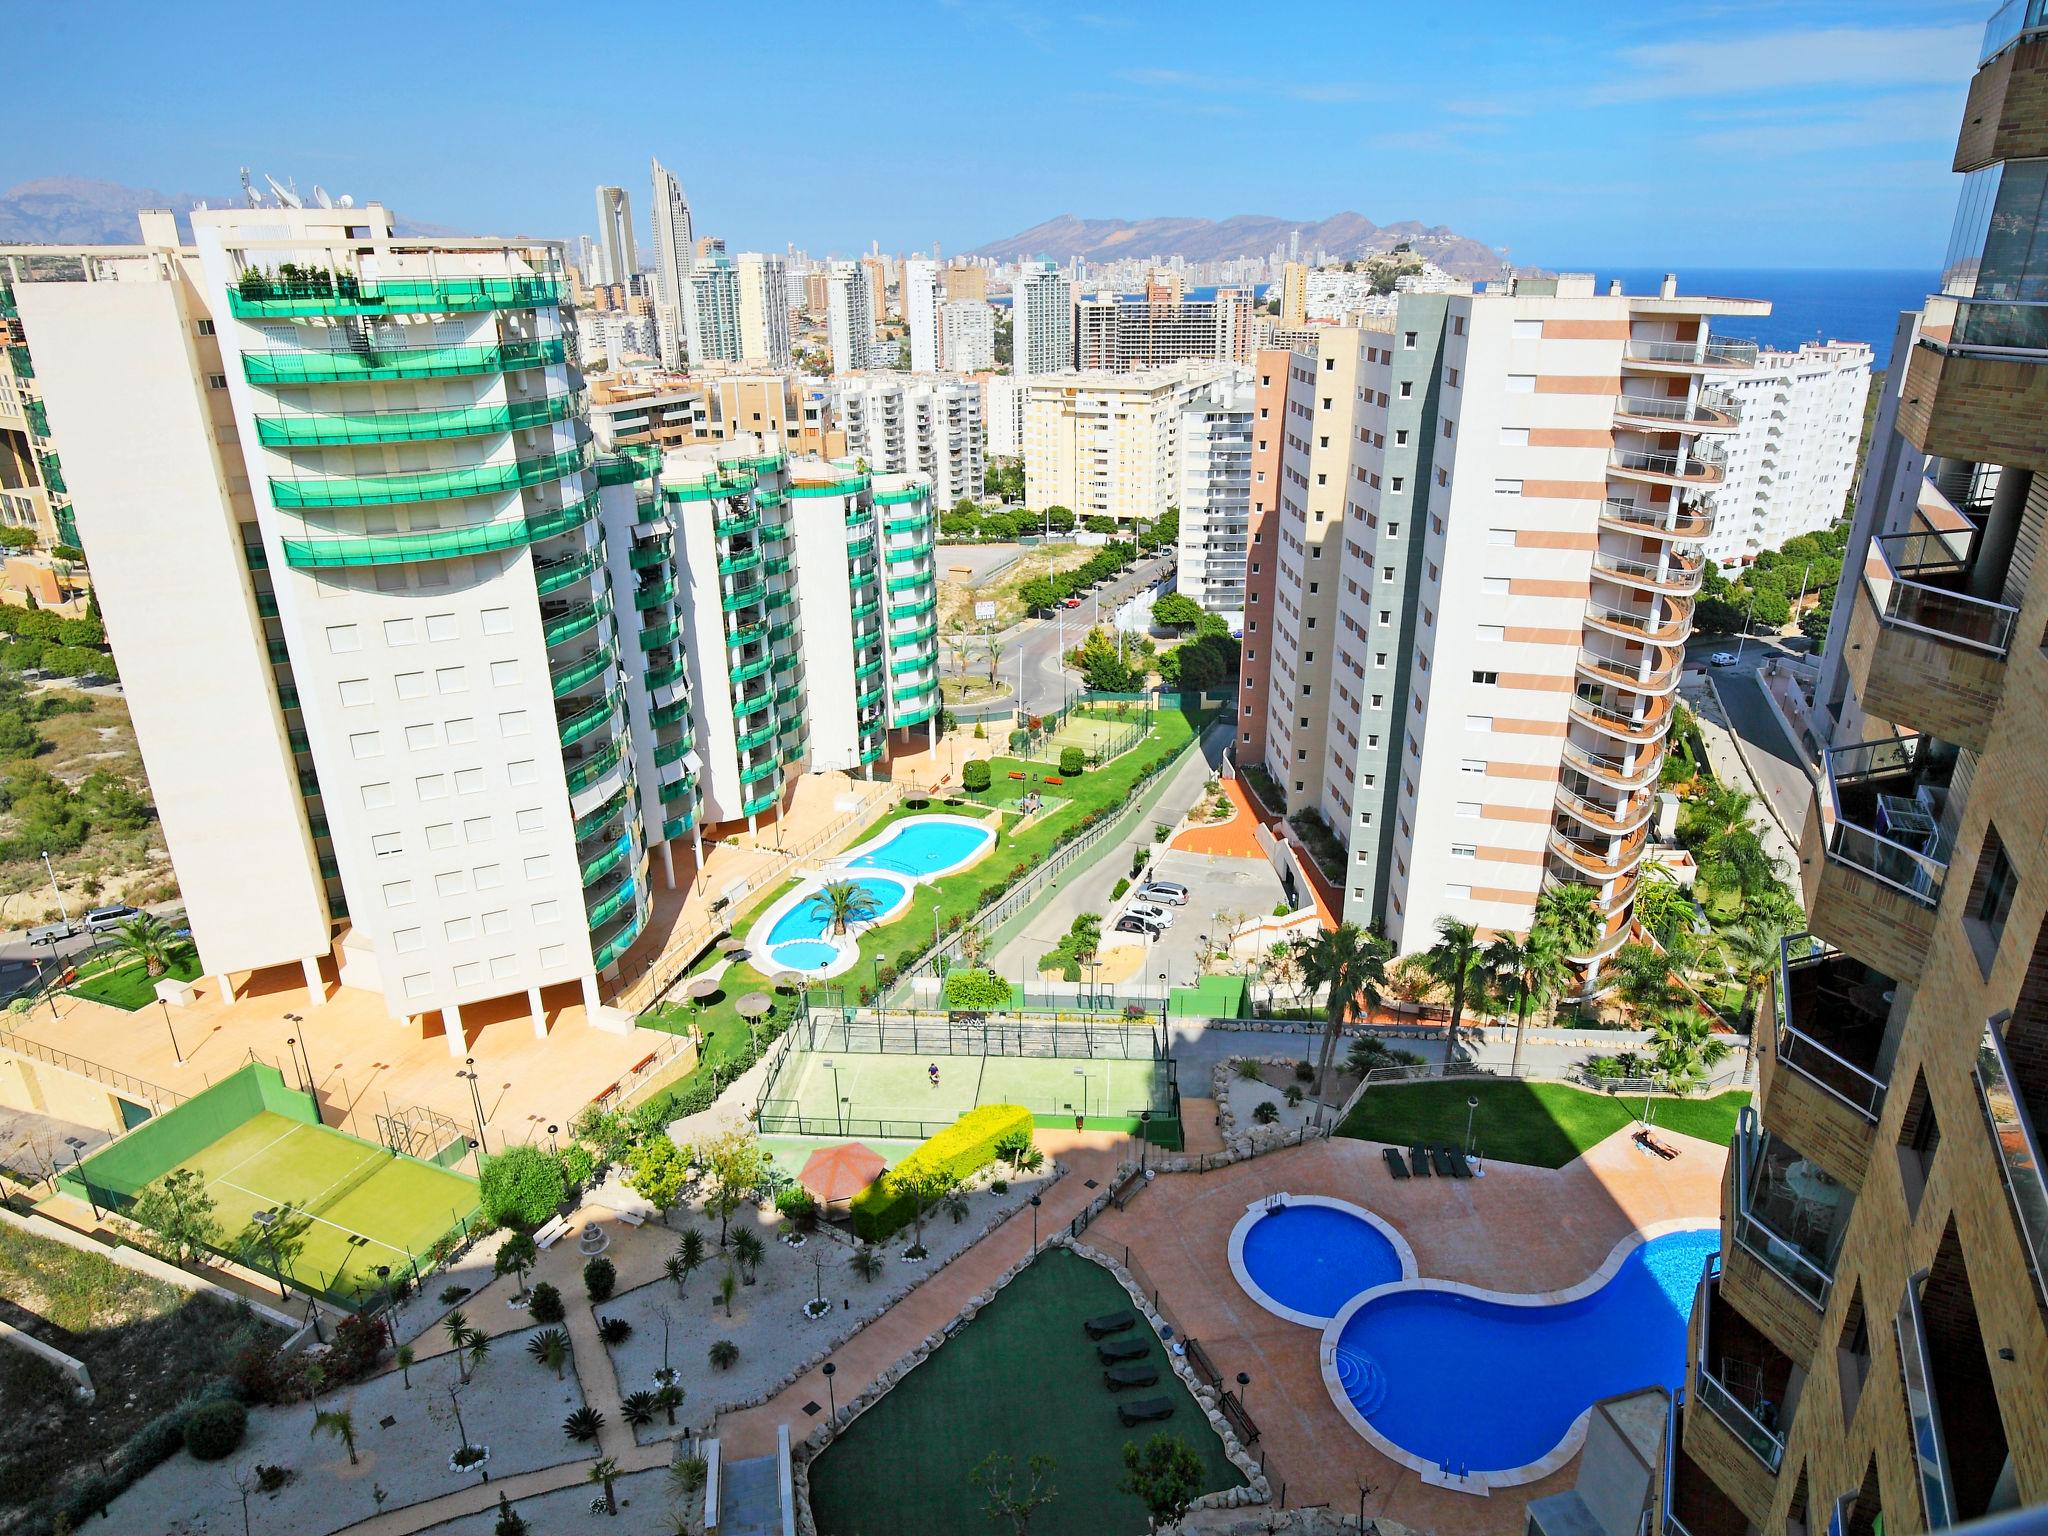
{"points": [[1639, 621], [1673, 1526], [1631, 813], [1681, 576], [1826, 1070], [2008, 24], [1599, 714], [2017, 1145], [1911, 604], [1930, 1445], [1764, 1443], [1675, 409], [1915, 872], [1776, 1252], [113, 1077], [1690, 523], [1616, 670], [1711, 352], [1594, 860], [2000, 326], [1610, 769], [1671, 465]]}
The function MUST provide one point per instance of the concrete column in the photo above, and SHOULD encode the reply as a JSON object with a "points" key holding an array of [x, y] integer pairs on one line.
{"points": [[226, 985], [316, 989], [753, 830], [540, 1017], [451, 1020], [668, 866], [697, 841], [590, 998]]}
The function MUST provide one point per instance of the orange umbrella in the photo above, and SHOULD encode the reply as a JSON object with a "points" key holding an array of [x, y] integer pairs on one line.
{"points": [[841, 1172]]}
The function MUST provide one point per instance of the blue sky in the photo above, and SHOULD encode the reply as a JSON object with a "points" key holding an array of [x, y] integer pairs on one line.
{"points": [[1716, 133]]}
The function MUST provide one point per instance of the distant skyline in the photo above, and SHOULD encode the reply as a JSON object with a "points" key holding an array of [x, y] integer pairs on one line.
{"points": [[1745, 133]]}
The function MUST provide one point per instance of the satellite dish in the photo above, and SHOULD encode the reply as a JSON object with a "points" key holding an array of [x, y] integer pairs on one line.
{"points": [[320, 196], [284, 195], [345, 201], [249, 191]]}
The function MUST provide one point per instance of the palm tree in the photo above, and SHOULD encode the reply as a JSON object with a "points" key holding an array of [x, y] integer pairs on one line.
{"points": [[1737, 857], [866, 1262], [406, 1356], [1527, 972], [993, 649], [1457, 961], [147, 938], [603, 1470], [1684, 1047], [844, 902], [1348, 963], [1752, 950], [1643, 976], [639, 1408], [551, 1348], [1568, 909], [479, 1347], [1661, 903], [1715, 810], [688, 1257], [341, 1424], [747, 1248]]}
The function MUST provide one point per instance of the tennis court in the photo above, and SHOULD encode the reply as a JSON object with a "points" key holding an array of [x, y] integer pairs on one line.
{"points": [[1107, 737], [895, 1094]]}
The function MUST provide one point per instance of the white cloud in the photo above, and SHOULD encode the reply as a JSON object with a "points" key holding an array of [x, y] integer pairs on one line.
{"points": [[1796, 59], [1911, 118]]}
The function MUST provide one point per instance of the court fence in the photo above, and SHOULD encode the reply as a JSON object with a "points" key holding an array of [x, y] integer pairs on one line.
{"points": [[988, 1035]]}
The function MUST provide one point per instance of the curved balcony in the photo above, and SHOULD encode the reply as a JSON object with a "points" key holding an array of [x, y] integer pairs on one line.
{"points": [[1611, 722], [1615, 772], [288, 369], [1703, 355], [574, 674], [410, 486], [647, 554], [659, 595], [1668, 625], [1662, 678], [744, 597], [263, 296], [1674, 576], [416, 426], [1615, 820], [573, 727], [438, 543], [591, 769], [1600, 861], [1659, 413], [608, 858], [592, 823], [567, 570], [1659, 468], [565, 623], [611, 949], [1680, 520]]}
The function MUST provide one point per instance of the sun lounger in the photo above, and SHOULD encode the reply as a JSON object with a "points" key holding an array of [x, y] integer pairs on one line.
{"points": [[1418, 1162], [1396, 1164], [1110, 1322], [1118, 1377], [1145, 1410], [1650, 1143], [1442, 1156], [1460, 1169], [1121, 1350]]}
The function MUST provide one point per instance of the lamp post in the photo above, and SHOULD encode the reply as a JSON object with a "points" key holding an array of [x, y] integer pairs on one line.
{"points": [[1082, 1073], [551, 1137], [1162, 1002], [1034, 1225], [1471, 1110], [180, 1055], [832, 1397], [833, 1068], [55, 891], [1243, 1381], [1144, 1137], [476, 1102]]}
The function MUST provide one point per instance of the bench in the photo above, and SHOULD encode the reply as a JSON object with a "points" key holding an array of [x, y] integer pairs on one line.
{"points": [[1118, 1377], [1110, 1322], [545, 1235], [1122, 1350], [631, 1218], [1146, 1410]]}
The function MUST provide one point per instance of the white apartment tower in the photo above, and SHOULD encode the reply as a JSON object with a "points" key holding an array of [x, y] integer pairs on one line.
{"points": [[346, 480], [1109, 444], [849, 316], [1042, 320], [714, 312], [764, 310], [967, 336], [1792, 456], [617, 261], [675, 254], [1215, 495], [921, 312], [904, 424]]}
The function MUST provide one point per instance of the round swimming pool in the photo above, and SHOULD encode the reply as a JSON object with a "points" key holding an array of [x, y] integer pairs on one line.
{"points": [[803, 955], [801, 921], [1424, 1364], [1305, 1256], [925, 845]]}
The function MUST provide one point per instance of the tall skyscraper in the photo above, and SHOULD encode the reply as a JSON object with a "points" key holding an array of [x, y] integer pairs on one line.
{"points": [[617, 260], [1109, 444], [1792, 456], [1215, 494], [1042, 320], [849, 319], [967, 335], [764, 310], [714, 312], [921, 311], [675, 256]]}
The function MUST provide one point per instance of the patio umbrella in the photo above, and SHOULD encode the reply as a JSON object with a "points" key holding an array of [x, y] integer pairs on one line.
{"points": [[841, 1172], [754, 1004], [731, 944], [701, 987], [785, 981]]}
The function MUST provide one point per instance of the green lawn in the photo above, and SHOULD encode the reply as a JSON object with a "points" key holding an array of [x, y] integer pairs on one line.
{"points": [[1547, 1124], [1023, 1378], [121, 983]]}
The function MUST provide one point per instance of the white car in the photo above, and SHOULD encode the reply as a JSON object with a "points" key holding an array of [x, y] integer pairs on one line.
{"points": [[1724, 658], [1150, 912]]}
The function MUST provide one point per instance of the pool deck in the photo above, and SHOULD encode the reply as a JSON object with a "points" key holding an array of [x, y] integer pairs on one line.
{"points": [[1518, 1229]]}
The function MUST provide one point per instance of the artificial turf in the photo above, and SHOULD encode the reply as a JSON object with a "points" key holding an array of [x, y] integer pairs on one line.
{"points": [[1021, 1378], [129, 985], [1547, 1124]]}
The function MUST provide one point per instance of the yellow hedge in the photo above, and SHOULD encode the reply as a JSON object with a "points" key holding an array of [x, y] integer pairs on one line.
{"points": [[966, 1145]]}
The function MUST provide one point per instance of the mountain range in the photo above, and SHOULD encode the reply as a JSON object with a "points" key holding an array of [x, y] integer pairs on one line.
{"points": [[72, 210], [1345, 236]]}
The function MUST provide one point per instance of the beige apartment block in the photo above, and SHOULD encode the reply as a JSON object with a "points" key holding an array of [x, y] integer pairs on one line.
{"points": [[1108, 444]]}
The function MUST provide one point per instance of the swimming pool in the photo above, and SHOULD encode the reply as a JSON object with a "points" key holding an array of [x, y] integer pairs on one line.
{"points": [[922, 846], [799, 921], [1302, 1257], [1421, 1367]]}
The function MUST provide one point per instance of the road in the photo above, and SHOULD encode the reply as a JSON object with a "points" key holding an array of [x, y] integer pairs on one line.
{"points": [[1748, 747], [1032, 650]]}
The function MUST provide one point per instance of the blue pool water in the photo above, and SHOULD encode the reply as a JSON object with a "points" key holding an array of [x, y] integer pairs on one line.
{"points": [[925, 845], [1314, 1258], [800, 922], [804, 955], [1478, 1386]]}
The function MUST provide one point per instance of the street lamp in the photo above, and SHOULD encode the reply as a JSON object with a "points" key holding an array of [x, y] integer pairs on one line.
{"points": [[1243, 1381], [832, 1397], [1082, 1073], [171, 1032], [56, 891], [551, 1137], [1162, 1002], [1144, 1136], [1034, 1225], [833, 1068], [1471, 1109], [476, 1101]]}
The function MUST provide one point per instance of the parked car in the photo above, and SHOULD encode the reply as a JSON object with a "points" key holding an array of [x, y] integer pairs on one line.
{"points": [[1170, 892], [1073, 602], [107, 919], [1129, 924], [52, 933], [1150, 912]]}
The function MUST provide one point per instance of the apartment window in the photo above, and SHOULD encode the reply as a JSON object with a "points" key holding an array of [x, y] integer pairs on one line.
{"points": [[1388, 572], [1479, 722], [1378, 700], [1365, 819], [1528, 330], [206, 327], [1451, 377], [1393, 530], [1507, 488], [1379, 658], [1919, 1137], [1464, 850], [1486, 679], [1400, 437], [1328, 402], [1386, 617], [1372, 741], [216, 381], [1407, 390], [1321, 480], [1307, 656], [1475, 766], [1300, 756], [1991, 894], [1323, 442], [1314, 586], [1457, 325], [1329, 365], [1449, 426], [1408, 341]]}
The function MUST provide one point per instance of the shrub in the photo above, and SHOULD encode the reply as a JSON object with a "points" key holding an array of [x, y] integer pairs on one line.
{"points": [[725, 1354], [999, 1186], [578, 1164], [614, 1330], [544, 1304], [600, 1278], [1266, 1113], [214, 1430], [974, 777], [1293, 1093], [1116, 892], [1071, 762], [798, 1205], [962, 1148], [1247, 1069], [521, 1186], [583, 1425], [973, 989], [1304, 1071]]}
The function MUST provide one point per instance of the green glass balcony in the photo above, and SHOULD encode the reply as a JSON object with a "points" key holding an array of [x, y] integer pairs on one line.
{"points": [[608, 952], [657, 595], [593, 768], [8, 308], [675, 789], [287, 698], [758, 772], [916, 524], [908, 583], [733, 565], [677, 826], [669, 714], [655, 636], [23, 365], [909, 664], [776, 565], [576, 619], [764, 464], [262, 296], [734, 527], [916, 716], [866, 635], [428, 485], [860, 549], [914, 691], [742, 708], [769, 498], [780, 598], [371, 427], [868, 668], [867, 609], [553, 575], [288, 369], [851, 485], [266, 604], [747, 634], [648, 557], [572, 675], [747, 671], [589, 826], [786, 661], [871, 754], [903, 637], [53, 473], [607, 907], [625, 470], [38, 416], [762, 802], [908, 493], [908, 553], [439, 543], [773, 532], [781, 629], [787, 693], [666, 752], [912, 610], [760, 735], [595, 869], [718, 487], [745, 597], [278, 653], [583, 722], [669, 676]]}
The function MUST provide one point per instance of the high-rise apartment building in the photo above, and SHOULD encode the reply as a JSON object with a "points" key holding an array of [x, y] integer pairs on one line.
{"points": [[764, 310], [875, 270], [1121, 334], [1215, 496], [1042, 320], [617, 260], [674, 256], [33, 491], [652, 409], [1283, 415], [817, 294], [713, 313], [905, 423], [1294, 295], [849, 316], [966, 283], [1868, 1351], [921, 313], [1109, 444], [1002, 411], [967, 336], [1792, 455]]}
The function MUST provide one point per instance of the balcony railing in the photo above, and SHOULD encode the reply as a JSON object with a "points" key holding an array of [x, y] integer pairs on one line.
{"points": [[1614, 721], [1913, 593], [2017, 1142], [1930, 1446], [1671, 466], [1775, 1222], [1713, 352], [1680, 412], [1671, 625], [1763, 1442], [1691, 522], [1883, 784], [1679, 576], [2009, 23], [1801, 959], [1610, 769]]}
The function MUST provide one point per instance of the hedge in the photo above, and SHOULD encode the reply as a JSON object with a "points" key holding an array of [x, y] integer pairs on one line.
{"points": [[976, 989], [966, 1145]]}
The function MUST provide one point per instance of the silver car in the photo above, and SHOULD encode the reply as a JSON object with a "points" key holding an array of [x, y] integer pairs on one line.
{"points": [[1168, 892]]}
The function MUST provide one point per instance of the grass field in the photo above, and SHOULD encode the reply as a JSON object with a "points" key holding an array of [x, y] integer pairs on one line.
{"points": [[1023, 1378], [128, 984], [1092, 735], [1547, 1124], [898, 1089], [367, 1206]]}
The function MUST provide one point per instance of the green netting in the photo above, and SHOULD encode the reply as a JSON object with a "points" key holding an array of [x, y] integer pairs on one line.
{"points": [[160, 1144]]}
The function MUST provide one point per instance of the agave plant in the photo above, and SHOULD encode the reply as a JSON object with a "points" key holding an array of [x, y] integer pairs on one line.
{"points": [[583, 1425]]}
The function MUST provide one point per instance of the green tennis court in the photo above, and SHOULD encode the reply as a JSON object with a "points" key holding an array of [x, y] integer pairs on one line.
{"points": [[895, 1089], [1092, 735]]}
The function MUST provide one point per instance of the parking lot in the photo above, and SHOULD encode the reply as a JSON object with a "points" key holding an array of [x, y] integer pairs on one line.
{"points": [[1219, 890]]}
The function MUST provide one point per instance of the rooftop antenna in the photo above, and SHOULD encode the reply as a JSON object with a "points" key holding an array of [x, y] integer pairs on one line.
{"points": [[287, 197], [249, 191]]}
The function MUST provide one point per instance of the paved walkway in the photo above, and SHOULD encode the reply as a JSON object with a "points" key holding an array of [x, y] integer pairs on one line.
{"points": [[1233, 838]]}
